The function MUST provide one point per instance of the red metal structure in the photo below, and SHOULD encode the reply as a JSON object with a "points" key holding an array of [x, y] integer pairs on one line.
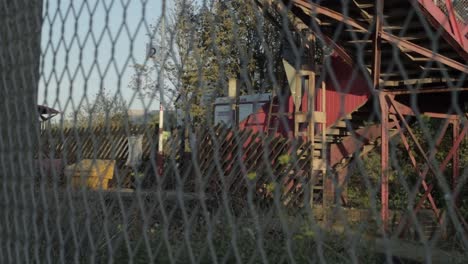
{"points": [[390, 60]]}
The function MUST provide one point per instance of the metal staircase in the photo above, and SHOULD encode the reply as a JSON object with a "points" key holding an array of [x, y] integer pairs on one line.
{"points": [[430, 49], [428, 37]]}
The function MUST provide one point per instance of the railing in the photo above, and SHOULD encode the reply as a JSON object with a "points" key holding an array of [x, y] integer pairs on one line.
{"points": [[457, 14], [459, 8]]}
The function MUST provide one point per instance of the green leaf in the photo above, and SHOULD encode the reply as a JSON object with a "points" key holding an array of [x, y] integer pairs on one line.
{"points": [[252, 176], [284, 159], [271, 187]]}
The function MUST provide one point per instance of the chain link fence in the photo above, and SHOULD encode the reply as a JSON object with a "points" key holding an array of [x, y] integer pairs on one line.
{"points": [[233, 131]]}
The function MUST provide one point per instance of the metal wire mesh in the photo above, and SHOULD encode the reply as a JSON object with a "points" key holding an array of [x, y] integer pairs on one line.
{"points": [[255, 131]]}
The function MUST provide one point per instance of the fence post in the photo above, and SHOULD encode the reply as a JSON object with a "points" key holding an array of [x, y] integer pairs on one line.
{"points": [[233, 93], [20, 52], [160, 155]]}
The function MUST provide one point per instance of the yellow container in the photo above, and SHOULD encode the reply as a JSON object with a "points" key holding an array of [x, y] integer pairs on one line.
{"points": [[94, 174], [90, 182]]}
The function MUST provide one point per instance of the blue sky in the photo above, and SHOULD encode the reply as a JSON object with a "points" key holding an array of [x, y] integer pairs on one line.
{"points": [[92, 44]]}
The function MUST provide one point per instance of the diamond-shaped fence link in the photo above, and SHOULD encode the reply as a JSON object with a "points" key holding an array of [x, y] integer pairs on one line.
{"points": [[228, 131]]}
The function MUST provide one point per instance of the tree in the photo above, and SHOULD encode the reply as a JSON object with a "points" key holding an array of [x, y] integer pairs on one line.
{"points": [[208, 45], [235, 41], [105, 110], [249, 43]]}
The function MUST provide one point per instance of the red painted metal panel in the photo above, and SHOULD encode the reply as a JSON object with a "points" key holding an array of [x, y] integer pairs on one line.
{"points": [[256, 121], [346, 91]]}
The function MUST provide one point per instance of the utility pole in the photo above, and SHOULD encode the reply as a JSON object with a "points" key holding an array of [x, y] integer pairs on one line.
{"points": [[160, 155]]}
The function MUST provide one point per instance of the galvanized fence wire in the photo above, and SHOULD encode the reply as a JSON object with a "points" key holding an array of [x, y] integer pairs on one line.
{"points": [[291, 131]]}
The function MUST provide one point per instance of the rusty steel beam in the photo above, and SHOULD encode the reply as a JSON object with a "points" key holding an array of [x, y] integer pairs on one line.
{"points": [[423, 154], [425, 91], [410, 132], [455, 145], [318, 9], [440, 116], [403, 225], [438, 142], [437, 19], [414, 163], [338, 49], [461, 218], [402, 44], [424, 197], [384, 163], [410, 46], [427, 188], [377, 44], [453, 21], [281, 8], [443, 166], [350, 145], [456, 159], [428, 191], [406, 110], [418, 145], [306, 22], [341, 189]]}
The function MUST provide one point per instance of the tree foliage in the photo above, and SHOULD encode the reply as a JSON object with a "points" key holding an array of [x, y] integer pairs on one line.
{"points": [[104, 110], [207, 45], [404, 178]]}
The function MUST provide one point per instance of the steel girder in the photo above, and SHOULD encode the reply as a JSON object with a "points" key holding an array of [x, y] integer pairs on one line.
{"points": [[402, 44]]}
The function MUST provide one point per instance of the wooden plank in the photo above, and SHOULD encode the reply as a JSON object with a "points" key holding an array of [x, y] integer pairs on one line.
{"points": [[206, 155], [237, 172], [319, 165], [320, 117], [281, 144], [206, 152], [300, 117], [97, 142]]}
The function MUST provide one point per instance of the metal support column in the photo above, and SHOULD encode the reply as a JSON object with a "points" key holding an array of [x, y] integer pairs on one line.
{"points": [[311, 108], [456, 158], [376, 43], [384, 107], [329, 185], [311, 131], [385, 165]]}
